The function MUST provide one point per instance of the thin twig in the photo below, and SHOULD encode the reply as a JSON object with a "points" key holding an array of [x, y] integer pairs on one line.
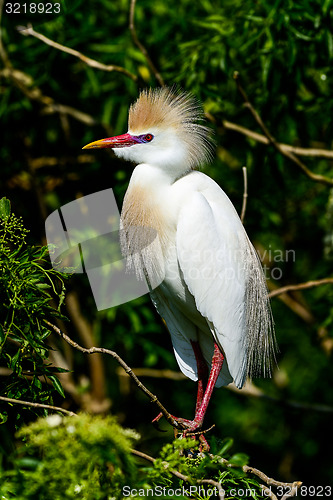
{"points": [[315, 177], [292, 487], [244, 195], [3, 53], [53, 161], [84, 329], [200, 433], [268, 480], [63, 109], [251, 390], [155, 373], [295, 306], [300, 286], [38, 405], [296, 150], [24, 82], [143, 455], [140, 46], [267, 492], [293, 491], [124, 365], [29, 31]]}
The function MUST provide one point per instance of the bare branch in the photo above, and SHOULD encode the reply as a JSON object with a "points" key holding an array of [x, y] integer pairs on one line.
{"points": [[124, 365], [143, 455], [97, 374], [3, 53], [292, 487], [315, 177], [201, 432], [251, 390], [140, 46], [155, 373], [63, 109], [24, 82], [244, 195], [296, 150], [293, 490], [29, 31], [297, 308], [53, 161], [293, 304], [38, 405], [300, 286]]}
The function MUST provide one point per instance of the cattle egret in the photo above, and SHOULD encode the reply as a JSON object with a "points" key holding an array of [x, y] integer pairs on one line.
{"points": [[212, 292]]}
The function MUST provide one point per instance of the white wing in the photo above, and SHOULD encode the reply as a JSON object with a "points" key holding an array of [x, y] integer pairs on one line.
{"points": [[223, 273]]}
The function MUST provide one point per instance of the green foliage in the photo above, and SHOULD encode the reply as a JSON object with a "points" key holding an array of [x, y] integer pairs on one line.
{"points": [[172, 454], [31, 291], [70, 457], [182, 456], [90, 458]]}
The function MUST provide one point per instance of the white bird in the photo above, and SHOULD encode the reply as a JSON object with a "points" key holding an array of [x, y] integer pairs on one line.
{"points": [[211, 287]]}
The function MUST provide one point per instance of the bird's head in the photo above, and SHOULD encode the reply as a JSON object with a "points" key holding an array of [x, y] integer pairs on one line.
{"points": [[164, 130]]}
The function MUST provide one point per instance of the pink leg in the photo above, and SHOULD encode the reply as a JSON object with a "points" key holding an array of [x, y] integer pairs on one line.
{"points": [[217, 362], [203, 398], [202, 373], [202, 370]]}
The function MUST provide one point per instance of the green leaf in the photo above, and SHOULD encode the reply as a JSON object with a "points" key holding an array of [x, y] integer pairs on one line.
{"points": [[57, 369], [2, 335], [37, 383], [3, 417], [239, 459], [15, 359], [226, 445], [28, 463], [42, 286], [4, 208], [57, 385]]}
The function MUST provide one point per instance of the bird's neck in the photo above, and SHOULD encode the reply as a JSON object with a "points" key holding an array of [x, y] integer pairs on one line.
{"points": [[153, 177], [148, 221], [147, 201]]}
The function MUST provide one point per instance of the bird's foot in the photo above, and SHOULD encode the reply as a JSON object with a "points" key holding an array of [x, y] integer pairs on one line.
{"points": [[187, 428], [183, 424]]}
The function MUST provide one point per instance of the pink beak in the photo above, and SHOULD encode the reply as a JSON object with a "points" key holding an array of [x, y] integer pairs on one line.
{"points": [[120, 141]]}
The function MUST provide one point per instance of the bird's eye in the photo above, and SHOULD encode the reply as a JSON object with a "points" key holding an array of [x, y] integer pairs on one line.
{"points": [[148, 137]]}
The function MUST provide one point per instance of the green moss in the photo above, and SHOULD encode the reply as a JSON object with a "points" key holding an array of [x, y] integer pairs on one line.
{"points": [[86, 457]]}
